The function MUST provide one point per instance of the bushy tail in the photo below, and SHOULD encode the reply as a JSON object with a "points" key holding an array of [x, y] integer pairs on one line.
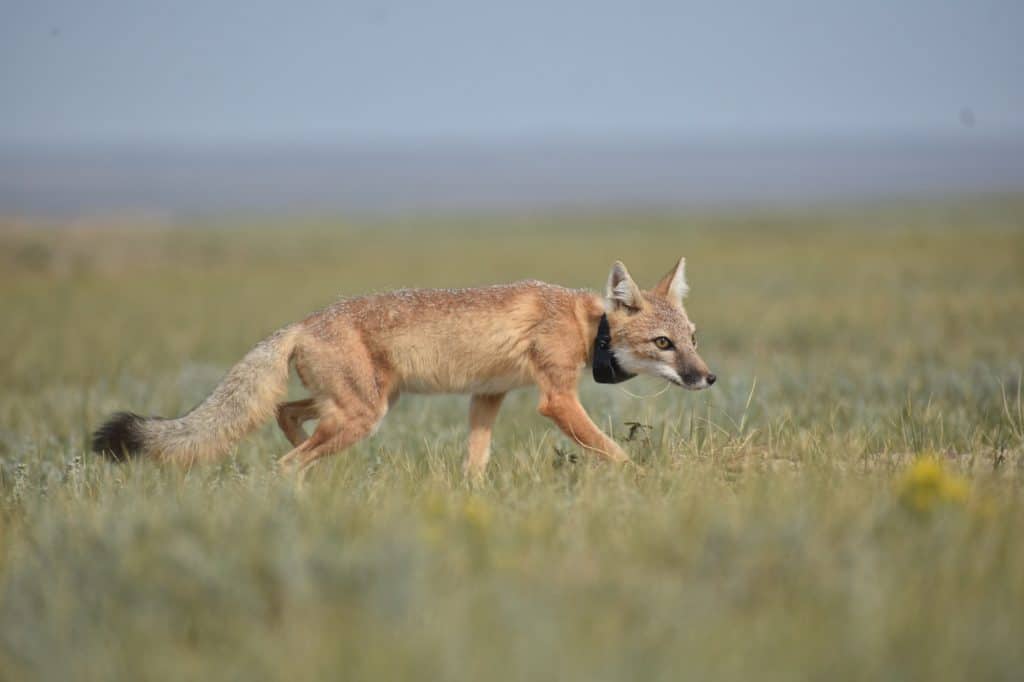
{"points": [[244, 399]]}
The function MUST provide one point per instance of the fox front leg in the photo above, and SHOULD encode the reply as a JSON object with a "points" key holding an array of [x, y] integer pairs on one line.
{"points": [[565, 410], [483, 409]]}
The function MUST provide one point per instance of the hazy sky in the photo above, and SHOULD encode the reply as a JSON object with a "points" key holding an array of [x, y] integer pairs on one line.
{"points": [[188, 71]]}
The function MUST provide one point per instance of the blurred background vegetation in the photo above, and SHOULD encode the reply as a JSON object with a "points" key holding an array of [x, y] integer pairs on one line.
{"points": [[774, 527]]}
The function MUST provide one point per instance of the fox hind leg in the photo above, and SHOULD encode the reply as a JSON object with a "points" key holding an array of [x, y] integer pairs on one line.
{"points": [[338, 432], [351, 394], [291, 416]]}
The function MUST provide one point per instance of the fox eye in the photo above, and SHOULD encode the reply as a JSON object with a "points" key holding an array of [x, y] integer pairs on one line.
{"points": [[663, 343], [693, 341]]}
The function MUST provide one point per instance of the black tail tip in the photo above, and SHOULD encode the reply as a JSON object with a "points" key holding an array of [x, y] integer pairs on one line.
{"points": [[119, 438]]}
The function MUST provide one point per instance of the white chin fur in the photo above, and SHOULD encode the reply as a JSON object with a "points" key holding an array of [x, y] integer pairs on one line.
{"points": [[651, 368]]}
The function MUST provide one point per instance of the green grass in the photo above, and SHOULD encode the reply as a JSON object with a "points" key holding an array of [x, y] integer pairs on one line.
{"points": [[774, 527]]}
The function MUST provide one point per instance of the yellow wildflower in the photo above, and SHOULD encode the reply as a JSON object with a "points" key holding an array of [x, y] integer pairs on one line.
{"points": [[927, 484]]}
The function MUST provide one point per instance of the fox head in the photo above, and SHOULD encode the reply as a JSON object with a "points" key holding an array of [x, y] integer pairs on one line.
{"points": [[650, 331]]}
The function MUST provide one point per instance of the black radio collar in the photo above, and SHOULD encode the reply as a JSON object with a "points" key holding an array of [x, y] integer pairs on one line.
{"points": [[606, 369]]}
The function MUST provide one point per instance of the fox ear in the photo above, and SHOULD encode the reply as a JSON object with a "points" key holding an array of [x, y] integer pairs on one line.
{"points": [[673, 286], [622, 291]]}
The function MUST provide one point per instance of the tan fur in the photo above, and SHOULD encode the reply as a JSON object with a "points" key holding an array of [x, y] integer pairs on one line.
{"points": [[358, 355]]}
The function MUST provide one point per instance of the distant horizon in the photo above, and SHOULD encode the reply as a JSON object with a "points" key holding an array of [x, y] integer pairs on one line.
{"points": [[436, 177], [550, 139]]}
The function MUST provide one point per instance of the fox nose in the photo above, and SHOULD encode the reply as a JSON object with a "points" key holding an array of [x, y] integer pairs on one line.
{"points": [[712, 379]]}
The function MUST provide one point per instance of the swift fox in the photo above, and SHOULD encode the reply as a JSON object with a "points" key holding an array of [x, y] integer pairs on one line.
{"points": [[358, 355]]}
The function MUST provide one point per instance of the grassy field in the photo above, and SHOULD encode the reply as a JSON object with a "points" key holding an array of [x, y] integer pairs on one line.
{"points": [[845, 504]]}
